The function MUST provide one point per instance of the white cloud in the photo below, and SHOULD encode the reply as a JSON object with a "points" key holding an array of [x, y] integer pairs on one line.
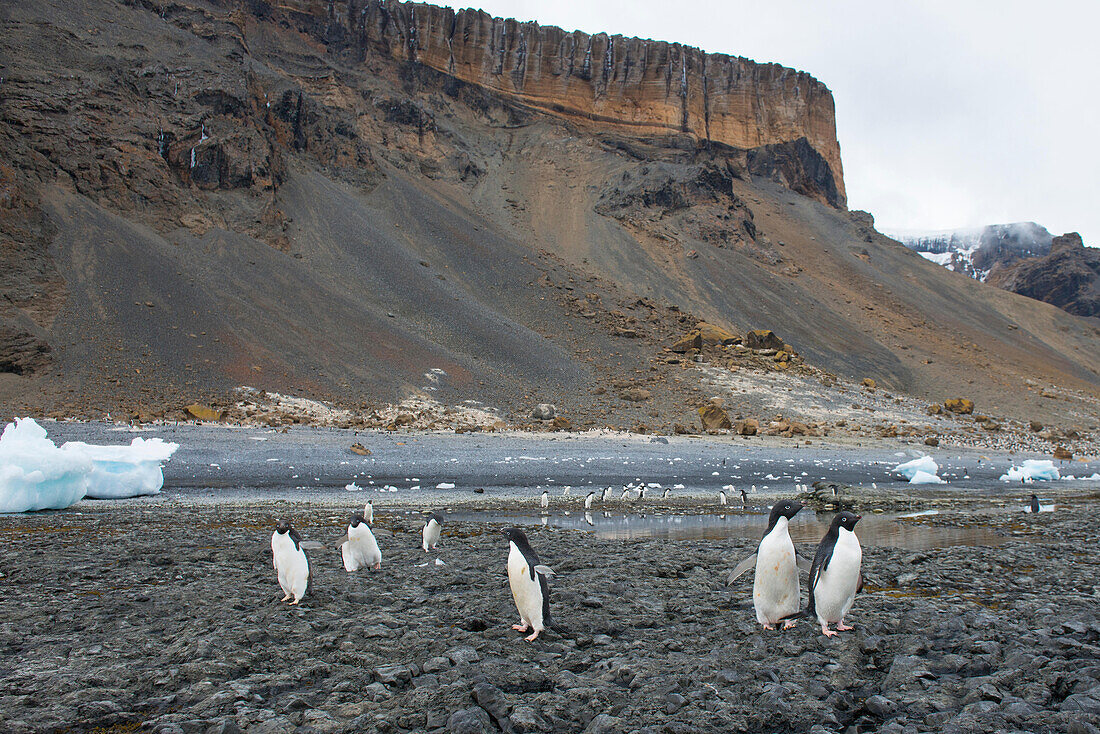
{"points": [[949, 113]]}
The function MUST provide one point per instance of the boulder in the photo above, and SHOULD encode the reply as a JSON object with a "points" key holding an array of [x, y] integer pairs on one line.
{"points": [[714, 418], [746, 427], [961, 406], [561, 424], [1035, 426], [704, 335], [358, 448], [635, 394], [764, 339], [204, 412], [544, 412], [1063, 454], [869, 383]]}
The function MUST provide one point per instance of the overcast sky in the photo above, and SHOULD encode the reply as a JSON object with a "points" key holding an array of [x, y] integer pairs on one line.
{"points": [[950, 113]]}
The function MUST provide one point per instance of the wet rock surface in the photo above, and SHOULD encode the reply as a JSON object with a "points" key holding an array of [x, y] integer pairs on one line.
{"points": [[169, 619]]}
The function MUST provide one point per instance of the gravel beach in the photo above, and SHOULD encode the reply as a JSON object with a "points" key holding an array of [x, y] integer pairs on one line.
{"points": [[166, 617]]}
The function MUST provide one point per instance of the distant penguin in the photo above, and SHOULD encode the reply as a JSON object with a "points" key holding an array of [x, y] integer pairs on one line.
{"points": [[666, 494], [623, 495], [835, 575], [744, 499], [432, 530], [606, 494], [360, 549], [641, 493], [721, 498], [368, 512], [545, 501], [527, 579], [290, 561], [588, 500], [775, 590], [565, 492], [1034, 503]]}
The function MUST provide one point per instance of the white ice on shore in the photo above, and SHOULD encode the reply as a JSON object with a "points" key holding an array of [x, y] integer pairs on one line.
{"points": [[924, 470], [1032, 469], [35, 474], [125, 471]]}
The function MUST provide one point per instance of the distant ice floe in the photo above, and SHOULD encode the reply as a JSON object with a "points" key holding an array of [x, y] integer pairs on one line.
{"points": [[924, 470], [1041, 469], [35, 474]]}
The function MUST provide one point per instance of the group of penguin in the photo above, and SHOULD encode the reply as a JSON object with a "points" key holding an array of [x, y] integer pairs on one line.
{"points": [[835, 575], [359, 548]]}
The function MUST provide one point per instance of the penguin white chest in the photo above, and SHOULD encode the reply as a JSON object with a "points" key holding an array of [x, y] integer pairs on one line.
{"points": [[431, 534], [775, 587], [526, 591], [361, 548], [290, 565], [835, 588]]}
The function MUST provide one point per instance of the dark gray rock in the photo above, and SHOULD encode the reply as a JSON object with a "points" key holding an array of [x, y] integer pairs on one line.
{"points": [[473, 720]]}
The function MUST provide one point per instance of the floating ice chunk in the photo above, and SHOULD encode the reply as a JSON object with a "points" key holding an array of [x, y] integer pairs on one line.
{"points": [[445, 485], [923, 477], [35, 474], [125, 471], [924, 464], [353, 487], [1041, 469]]}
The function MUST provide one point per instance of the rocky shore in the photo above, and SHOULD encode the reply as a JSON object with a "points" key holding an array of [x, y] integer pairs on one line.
{"points": [[167, 619]]}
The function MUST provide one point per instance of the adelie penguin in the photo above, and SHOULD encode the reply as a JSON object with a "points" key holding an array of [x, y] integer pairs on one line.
{"points": [[775, 590], [359, 547], [835, 576], [588, 500], [527, 579], [1034, 503], [432, 530], [290, 561]]}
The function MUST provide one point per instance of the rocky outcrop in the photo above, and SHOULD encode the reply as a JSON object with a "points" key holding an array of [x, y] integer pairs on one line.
{"points": [[21, 352], [647, 88], [1069, 277]]}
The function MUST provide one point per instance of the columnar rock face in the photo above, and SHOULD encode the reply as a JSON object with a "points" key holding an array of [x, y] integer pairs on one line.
{"points": [[641, 86], [1069, 277]]}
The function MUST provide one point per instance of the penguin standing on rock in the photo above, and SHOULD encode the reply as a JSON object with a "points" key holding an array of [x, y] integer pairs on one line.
{"points": [[1034, 503], [775, 589], [290, 561], [368, 512], [588, 500], [721, 498], [744, 499], [359, 548], [527, 579], [835, 576], [545, 501], [433, 528]]}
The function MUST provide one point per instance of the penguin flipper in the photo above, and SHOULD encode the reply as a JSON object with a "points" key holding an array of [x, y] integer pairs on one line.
{"points": [[802, 563], [743, 566], [545, 570]]}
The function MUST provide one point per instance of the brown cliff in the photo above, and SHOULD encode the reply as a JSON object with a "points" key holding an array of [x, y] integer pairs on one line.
{"points": [[642, 87], [1069, 277]]}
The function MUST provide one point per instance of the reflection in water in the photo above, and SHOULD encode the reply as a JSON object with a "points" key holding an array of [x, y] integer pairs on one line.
{"points": [[806, 528]]}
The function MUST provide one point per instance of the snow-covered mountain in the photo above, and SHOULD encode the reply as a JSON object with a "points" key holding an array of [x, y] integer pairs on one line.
{"points": [[975, 251]]}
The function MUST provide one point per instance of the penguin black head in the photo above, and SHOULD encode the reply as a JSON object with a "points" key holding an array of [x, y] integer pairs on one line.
{"points": [[846, 520], [437, 517], [517, 536], [354, 518], [282, 526], [786, 508]]}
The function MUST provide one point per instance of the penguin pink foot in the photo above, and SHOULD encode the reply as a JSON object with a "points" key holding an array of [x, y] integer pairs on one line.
{"points": [[843, 627], [769, 627], [531, 637], [288, 597], [828, 632], [520, 627], [378, 567], [789, 624]]}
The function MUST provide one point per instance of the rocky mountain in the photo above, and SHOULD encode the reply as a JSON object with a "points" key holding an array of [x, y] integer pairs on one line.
{"points": [[975, 252], [364, 202], [1068, 277]]}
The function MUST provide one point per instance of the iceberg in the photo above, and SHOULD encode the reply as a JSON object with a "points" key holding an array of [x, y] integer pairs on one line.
{"points": [[923, 477], [35, 474], [925, 464], [1032, 469], [125, 471]]}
